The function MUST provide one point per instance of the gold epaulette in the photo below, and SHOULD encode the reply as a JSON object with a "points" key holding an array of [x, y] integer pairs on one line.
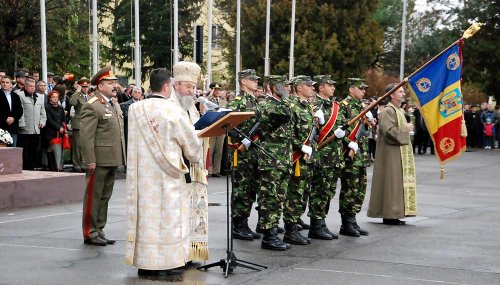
{"points": [[345, 102], [237, 98], [93, 99]]}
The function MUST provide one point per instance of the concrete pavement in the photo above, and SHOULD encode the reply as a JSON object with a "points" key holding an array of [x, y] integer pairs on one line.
{"points": [[455, 239]]}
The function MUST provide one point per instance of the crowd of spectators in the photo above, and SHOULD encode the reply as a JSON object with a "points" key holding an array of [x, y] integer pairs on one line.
{"points": [[35, 112]]}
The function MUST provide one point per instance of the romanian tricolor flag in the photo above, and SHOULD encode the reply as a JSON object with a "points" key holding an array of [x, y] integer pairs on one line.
{"points": [[438, 90]]}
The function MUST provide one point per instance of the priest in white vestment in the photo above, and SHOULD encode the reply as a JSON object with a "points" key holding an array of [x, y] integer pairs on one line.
{"points": [[162, 208]]}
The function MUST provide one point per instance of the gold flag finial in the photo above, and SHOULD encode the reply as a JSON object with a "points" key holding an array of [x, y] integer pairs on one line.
{"points": [[472, 30]]}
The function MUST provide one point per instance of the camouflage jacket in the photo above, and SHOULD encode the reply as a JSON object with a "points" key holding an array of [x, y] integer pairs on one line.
{"points": [[302, 124], [277, 132], [245, 103], [332, 153], [351, 107]]}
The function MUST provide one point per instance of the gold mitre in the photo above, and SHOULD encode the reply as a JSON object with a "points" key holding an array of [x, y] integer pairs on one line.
{"points": [[187, 71]]}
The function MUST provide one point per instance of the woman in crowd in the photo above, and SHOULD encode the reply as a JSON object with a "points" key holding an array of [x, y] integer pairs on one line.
{"points": [[55, 127]]}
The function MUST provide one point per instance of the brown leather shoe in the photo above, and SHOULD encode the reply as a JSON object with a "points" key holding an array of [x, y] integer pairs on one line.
{"points": [[97, 241]]}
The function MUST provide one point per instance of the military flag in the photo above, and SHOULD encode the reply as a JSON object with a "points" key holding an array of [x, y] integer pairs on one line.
{"points": [[437, 88]]}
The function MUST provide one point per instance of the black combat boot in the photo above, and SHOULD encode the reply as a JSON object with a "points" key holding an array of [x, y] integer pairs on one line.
{"points": [[240, 230], [346, 228], [318, 230], [334, 235], [247, 229], [293, 236], [272, 241], [356, 227], [303, 225]]}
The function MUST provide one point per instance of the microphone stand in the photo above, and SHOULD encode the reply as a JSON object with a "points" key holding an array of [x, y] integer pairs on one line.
{"points": [[231, 261]]}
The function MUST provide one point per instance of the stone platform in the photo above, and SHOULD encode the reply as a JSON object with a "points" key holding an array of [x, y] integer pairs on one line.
{"points": [[36, 188]]}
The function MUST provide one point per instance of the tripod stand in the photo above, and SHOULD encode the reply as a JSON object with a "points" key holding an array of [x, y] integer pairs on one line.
{"points": [[231, 261]]}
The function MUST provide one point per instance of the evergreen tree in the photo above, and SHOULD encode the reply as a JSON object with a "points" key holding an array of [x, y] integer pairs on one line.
{"points": [[339, 38], [67, 36], [155, 24]]}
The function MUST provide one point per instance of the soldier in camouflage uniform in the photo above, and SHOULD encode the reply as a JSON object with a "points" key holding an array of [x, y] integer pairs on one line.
{"points": [[246, 172], [275, 174], [353, 177], [329, 159], [303, 144]]}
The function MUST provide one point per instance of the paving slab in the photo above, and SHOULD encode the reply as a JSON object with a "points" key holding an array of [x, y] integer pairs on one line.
{"points": [[455, 239]]}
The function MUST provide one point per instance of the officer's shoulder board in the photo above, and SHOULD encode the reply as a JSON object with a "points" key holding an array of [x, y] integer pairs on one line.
{"points": [[237, 98], [93, 99], [345, 102]]}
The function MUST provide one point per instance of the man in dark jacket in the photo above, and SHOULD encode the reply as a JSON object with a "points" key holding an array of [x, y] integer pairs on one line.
{"points": [[11, 109]]}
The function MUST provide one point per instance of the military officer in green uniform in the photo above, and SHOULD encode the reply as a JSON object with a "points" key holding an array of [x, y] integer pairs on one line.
{"points": [[103, 149], [77, 100], [353, 175], [329, 159], [246, 172], [275, 173], [303, 142]]}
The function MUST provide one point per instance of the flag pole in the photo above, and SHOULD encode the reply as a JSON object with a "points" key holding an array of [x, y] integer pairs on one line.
{"points": [[467, 34], [95, 54], [268, 24], [238, 63], [43, 39], [137, 45], [292, 41]]}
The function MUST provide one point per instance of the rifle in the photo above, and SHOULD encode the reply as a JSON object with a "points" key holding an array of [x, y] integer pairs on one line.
{"points": [[253, 131]]}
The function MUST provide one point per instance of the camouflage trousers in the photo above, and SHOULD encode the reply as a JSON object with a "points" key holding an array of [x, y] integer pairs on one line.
{"points": [[245, 186], [271, 196], [324, 183], [352, 193], [297, 194]]}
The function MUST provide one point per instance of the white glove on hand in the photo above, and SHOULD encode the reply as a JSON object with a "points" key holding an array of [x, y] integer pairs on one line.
{"points": [[247, 143], [369, 116], [321, 116], [353, 146], [339, 133], [307, 149]]}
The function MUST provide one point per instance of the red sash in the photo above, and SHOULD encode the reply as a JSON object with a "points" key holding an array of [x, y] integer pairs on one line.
{"points": [[329, 125], [352, 135], [298, 153]]}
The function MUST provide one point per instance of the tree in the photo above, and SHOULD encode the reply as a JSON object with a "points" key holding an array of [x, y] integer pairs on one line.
{"points": [[439, 27], [389, 16], [67, 36], [482, 52], [156, 33], [339, 38]]}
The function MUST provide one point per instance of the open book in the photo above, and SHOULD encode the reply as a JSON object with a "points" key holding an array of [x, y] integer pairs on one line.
{"points": [[210, 117]]}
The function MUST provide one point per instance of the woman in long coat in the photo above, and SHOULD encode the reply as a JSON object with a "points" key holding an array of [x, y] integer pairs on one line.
{"points": [[55, 127]]}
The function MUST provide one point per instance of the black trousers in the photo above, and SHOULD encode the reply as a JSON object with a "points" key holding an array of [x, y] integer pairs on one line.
{"points": [[31, 150]]}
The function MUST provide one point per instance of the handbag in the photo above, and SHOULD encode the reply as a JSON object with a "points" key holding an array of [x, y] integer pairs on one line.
{"points": [[65, 141]]}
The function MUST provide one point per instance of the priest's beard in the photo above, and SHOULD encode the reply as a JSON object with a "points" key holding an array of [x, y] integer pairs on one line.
{"points": [[187, 102]]}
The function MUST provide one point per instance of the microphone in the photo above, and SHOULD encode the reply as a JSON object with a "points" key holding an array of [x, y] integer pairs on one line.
{"points": [[209, 105]]}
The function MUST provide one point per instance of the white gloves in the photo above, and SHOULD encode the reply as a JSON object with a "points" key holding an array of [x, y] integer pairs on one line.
{"points": [[339, 133], [321, 116], [247, 143], [369, 116], [307, 149], [353, 146]]}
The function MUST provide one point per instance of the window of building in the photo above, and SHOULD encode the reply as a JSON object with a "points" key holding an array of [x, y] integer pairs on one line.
{"points": [[216, 36]]}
